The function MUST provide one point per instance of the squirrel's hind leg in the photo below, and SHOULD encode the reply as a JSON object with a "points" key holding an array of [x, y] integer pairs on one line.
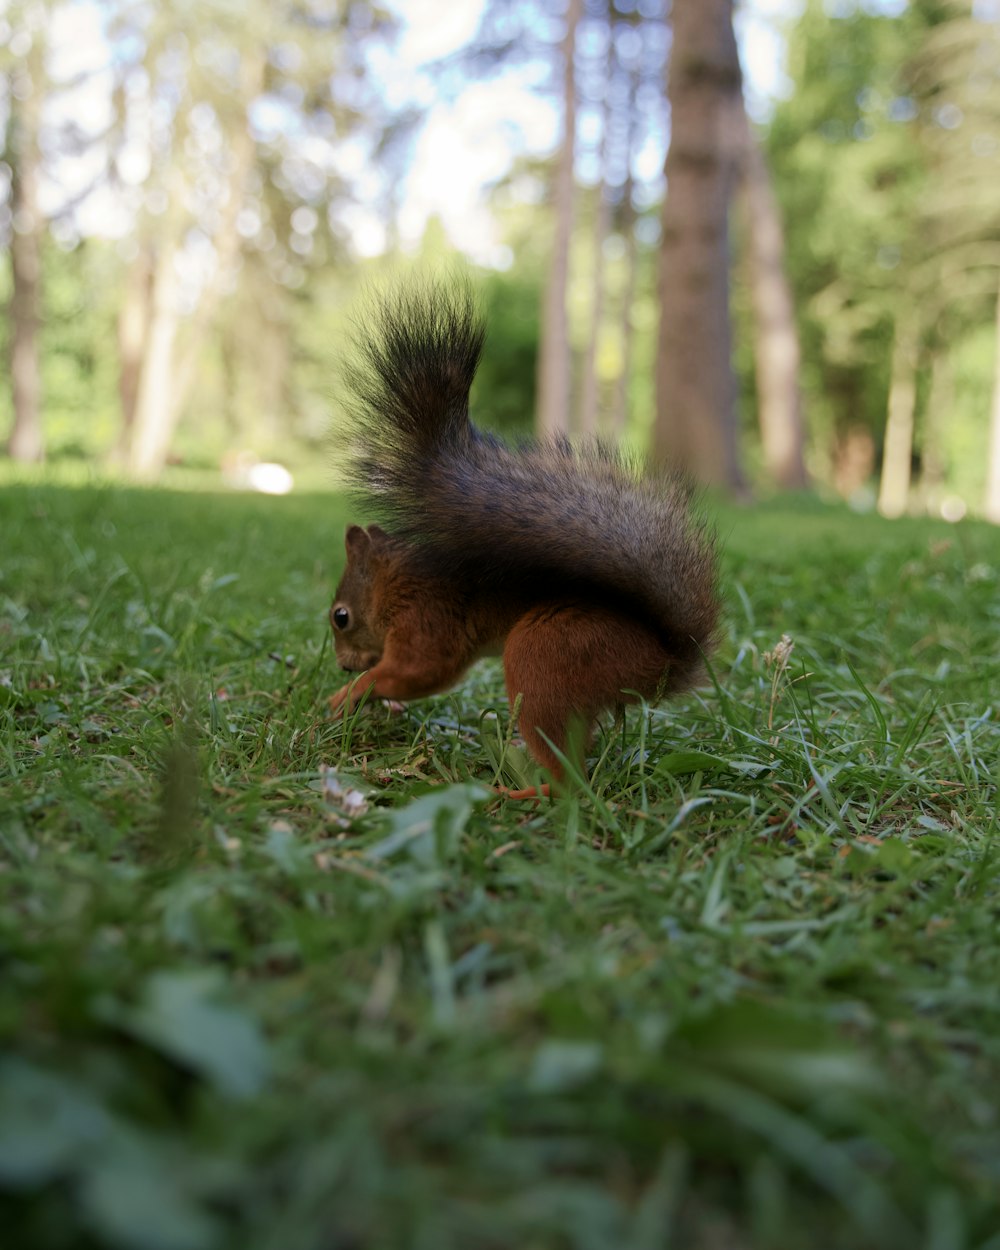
{"points": [[569, 663]]}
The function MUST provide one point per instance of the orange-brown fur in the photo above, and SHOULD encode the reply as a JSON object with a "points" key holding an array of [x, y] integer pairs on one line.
{"points": [[594, 584]]}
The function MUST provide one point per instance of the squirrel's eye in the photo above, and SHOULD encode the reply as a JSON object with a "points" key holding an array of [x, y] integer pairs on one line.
{"points": [[340, 617]]}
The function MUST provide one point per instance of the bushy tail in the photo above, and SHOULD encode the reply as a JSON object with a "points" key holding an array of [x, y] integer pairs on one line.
{"points": [[542, 520], [416, 354]]}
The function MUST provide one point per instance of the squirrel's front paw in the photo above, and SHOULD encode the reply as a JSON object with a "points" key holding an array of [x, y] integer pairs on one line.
{"points": [[348, 697], [340, 702]]}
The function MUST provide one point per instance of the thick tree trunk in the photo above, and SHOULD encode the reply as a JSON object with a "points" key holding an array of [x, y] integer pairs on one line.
{"points": [[776, 335], [992, 502], [552, 411], [897, 449], [26, 442], [696, 425]]}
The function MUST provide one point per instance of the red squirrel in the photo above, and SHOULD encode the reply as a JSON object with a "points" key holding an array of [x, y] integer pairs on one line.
{"points": [[595, 584]]}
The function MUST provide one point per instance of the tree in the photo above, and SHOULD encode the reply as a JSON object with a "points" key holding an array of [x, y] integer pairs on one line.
{"points": [[897, 448], [695, 383], [552, 412], [626, 227], [641, 45], [590, 385], [776, 337], [847, 169], [954, 75], [992, 501], [26, 87], [623, 54], [133, 331], [167, 370], [236, 123], [887, 159]]}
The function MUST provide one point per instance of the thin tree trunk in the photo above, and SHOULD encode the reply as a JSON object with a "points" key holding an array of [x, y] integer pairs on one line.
{"points": [[992, 502], [133, 326], [153, 427], [696, 425], [897, 449], [591, 383], [602, 226], [274, 410], [168, 371], [229, 355], [552, 413], [776, 336], [620, 410], [26, 441], [227, 247], [932, 458]]}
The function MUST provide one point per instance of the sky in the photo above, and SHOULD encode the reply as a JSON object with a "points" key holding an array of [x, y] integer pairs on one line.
{"points": [[465, 144], [472, 141]]}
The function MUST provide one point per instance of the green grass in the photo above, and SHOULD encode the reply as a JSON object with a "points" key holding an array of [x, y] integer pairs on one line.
{"points": [[742, 989]]}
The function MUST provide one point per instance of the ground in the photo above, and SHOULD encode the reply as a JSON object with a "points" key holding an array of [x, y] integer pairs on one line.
{"points": [[272, 981]]}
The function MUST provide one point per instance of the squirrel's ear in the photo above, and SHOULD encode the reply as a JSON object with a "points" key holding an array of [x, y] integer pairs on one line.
{"points": [[356, 540], [377, 535]]}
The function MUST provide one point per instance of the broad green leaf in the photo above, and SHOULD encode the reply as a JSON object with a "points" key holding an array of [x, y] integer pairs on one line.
{"points": [[137, 1197], [681, 762], [45, 1120], [428, 828], [181, 1016], [564, 1064], [777, 1050]]}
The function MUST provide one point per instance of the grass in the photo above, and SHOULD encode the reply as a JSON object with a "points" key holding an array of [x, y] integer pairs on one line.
{"points": [[274, 983]]}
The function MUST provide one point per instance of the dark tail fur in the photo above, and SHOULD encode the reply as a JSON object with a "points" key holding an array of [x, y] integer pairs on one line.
{"points": [[541, 519]]}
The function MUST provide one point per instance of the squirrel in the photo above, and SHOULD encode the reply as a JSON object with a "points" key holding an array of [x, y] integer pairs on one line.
{"points": [[596, 584]]}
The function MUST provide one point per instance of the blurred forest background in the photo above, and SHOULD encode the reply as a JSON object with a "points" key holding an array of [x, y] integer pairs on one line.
{"points": [[791, 292]]}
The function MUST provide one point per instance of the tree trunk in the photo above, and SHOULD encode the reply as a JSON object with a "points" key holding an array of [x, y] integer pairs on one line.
{"points": [[776, 336], [153, 426], [591, 382], [992, 502], [168, 367], [696, 424], [932, 457], [897, 449], [134, 318], [602, 225], [620, 411], [26, 442], [275, 410], [552, 413]]}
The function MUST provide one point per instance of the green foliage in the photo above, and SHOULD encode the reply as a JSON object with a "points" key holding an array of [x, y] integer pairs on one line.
{"points": [[504, 394], [885, 158], [273, 981], [848, 172], [78, 350], [964, 432]]}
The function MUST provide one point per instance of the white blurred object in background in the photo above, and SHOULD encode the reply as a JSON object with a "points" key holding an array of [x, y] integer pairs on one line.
{"points": [[243, 471]]}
